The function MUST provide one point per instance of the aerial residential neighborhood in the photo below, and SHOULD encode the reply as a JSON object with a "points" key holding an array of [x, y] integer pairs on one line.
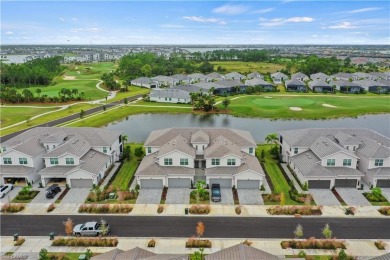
{"points": [[195, 130]]}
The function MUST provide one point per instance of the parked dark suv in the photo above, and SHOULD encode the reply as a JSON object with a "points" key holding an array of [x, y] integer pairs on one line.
{"points": [[52, 191], [215, 192]]}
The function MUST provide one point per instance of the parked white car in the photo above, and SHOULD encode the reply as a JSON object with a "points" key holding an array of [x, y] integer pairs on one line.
{"points": [[5, 189]]}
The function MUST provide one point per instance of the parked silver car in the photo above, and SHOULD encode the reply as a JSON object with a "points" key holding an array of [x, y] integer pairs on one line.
{"points": [[5, 189]]}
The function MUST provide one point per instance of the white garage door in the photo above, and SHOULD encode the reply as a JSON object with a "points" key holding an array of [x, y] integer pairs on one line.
{"points": [[248, 184], [74, 183], [224, 183], [179, 183], [152, 184]]}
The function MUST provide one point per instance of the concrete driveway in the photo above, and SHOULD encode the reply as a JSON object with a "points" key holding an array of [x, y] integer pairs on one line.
{"points": [[149, 196], [324, 197], [178, 196], [41, 196], [76, 195], [250, 197], [386, 193], [10, 195], [353, 197], [226, 197]]}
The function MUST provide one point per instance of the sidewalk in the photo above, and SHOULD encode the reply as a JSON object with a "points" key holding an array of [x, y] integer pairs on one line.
{"points": [[33, 245], [215, 210], [108, 177]]}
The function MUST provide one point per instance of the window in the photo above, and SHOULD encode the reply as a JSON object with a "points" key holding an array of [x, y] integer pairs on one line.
{"points": [[53, 161], [295, 150], [231, 161], [215, 162], [378, 162], [166, 99], [7, 160], [149, 149], [104, 149], [22, 160], [347, 162], [69, 161], [331, 162], [4, 149], [167, 161], [183, 161], [354, 148], [251, 150], [170, 99]]}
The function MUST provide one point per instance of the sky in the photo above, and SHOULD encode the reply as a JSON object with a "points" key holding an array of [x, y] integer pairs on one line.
{"points": [[195, 22]]}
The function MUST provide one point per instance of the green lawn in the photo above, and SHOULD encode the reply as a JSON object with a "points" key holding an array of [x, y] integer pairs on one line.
{"points": [[278, 106], [75, 109], [67, 256], [13, 115], [132, 91], [122, 179], [279, 182], [90, 70], [247, 67]]}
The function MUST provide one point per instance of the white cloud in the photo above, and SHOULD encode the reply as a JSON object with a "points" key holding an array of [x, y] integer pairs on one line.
{"points": [[230, 9], [201, 19], [343, 25], [280, 21], [362, 10], [262, 11], [93, 29], [61, 19], [74, 19], [9, 33]]}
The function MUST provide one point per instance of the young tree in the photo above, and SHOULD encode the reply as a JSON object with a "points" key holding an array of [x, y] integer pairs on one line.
{"points": [[298, 232], [82, 113], [200, 229], [342, 255], [200, 191], [125, 101], [327, 232], [43, 254], [282, 199], [376, 192], [104, 227], [262, 155], [126, 153], [68, 226], [226, 102], [104, 108]]}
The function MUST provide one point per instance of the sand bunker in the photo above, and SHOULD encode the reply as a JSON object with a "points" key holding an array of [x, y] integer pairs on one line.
{"points": [[78, 72], [267, 97], [69, 77], [327, 105], [295, 108]]}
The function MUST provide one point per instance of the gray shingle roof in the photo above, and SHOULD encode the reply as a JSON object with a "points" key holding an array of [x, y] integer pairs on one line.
{"points": [[169, 93], [319, 75], [221, 147], [240, 251], [254, 74], [366, 83], [234, 75], [197, 76], [228, 83], [57, 170], [346, 139], [214, 75], [57, 137], [324, 147], [372, 149], [379, 172], [295, 82], [344, 83], [258, 82], [189, 88], [342, 75], [179, 143], [31, 146], [361, 75], [299, 75], [382, 257], [200, 137], [134, 254], [77, 146], [160, 137], [180, 77], [15, 169], [167, 257], [305, 137], [142, 80], [110, 255], [94, 161], [278, 75], [319, 83]]}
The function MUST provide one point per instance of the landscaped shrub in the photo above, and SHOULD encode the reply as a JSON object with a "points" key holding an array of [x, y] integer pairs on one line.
{"points": [[313, 243], [127, 195], [385, 211], [197, 243], [105, 208], [85, 242], [238, 210], [274, 197], [51, 208], [374, 197], [247, 242], [98, 195], [200, 209], [152, 243], [380, 245], [164, 194], [19, 242], [160, 209], [203, 197], [350, 211], [292, 210], [235, 197], [12, 207], [26, 194]]}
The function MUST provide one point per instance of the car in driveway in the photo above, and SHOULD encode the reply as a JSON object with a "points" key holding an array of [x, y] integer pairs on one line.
{"points": [[215, 192], [5, 189], [52, 191]]}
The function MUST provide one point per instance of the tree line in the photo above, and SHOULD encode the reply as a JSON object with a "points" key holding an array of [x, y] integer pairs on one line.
{"points": [[13, 95], [34, 72]]}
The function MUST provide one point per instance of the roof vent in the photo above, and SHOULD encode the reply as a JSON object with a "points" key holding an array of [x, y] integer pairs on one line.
{"points": [[309, 157], [307, 154]]}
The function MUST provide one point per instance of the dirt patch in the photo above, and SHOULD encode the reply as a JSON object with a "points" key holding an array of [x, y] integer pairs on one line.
{"points": [[295, 108], [327, 105], [69, 77]]}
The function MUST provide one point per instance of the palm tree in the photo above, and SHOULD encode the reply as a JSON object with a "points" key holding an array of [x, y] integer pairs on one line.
{"points": [[124, 139], [271, 138]]}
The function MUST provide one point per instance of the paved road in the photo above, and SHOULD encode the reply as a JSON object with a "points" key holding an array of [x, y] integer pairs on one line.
{"points": [[216, 227], [69, 118]]}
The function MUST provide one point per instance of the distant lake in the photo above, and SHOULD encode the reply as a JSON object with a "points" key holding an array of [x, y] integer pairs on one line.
{"points": [[138, 127]]}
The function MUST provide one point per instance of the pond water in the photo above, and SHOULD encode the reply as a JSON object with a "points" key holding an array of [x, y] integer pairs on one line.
{"points": [[138, 127]]}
